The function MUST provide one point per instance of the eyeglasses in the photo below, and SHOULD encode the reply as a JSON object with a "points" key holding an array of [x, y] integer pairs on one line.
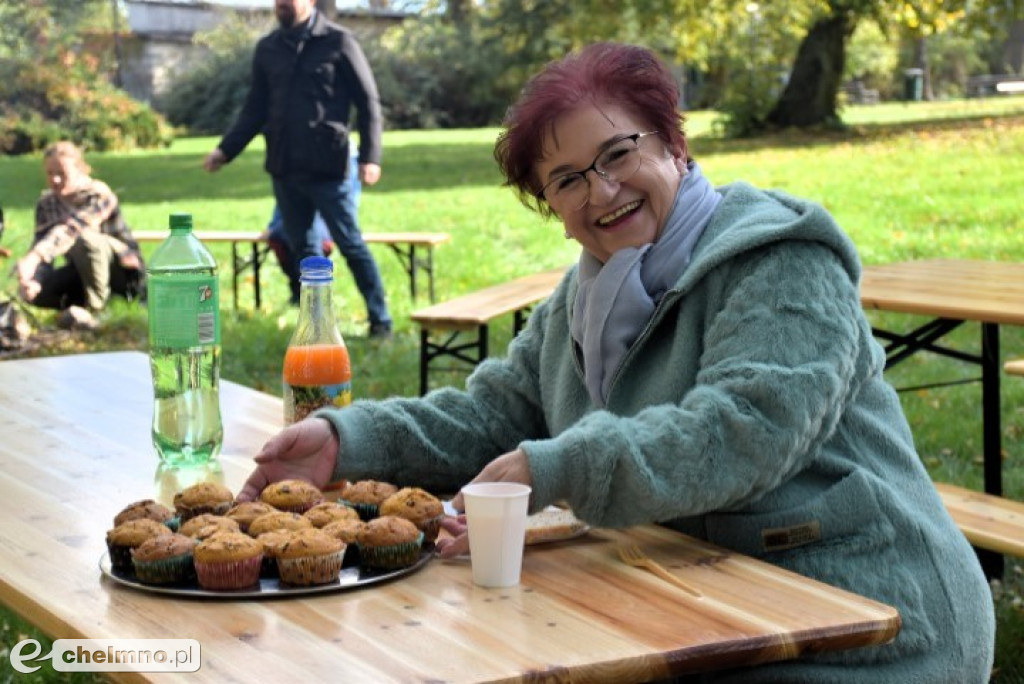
{"points": [[571, 191]]}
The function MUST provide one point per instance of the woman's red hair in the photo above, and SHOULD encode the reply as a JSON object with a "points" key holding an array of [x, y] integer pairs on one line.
{"points": [[627, 75]]}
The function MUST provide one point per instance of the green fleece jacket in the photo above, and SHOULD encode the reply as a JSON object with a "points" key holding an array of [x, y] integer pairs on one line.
{"points": [[751, 412]]}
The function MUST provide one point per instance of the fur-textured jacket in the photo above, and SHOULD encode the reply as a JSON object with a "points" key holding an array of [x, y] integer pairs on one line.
{"points": [[751, 412]]}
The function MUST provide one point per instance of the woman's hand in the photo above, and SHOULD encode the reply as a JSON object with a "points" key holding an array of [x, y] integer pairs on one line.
{"points": [[306, 450], [511, 467], [26, 268]]}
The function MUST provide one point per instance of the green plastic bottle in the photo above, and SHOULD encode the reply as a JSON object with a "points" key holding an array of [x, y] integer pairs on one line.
{"points": [[184, 348]]}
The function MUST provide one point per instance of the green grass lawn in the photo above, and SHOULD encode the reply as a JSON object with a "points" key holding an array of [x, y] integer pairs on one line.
{"points": [[906, 181]]}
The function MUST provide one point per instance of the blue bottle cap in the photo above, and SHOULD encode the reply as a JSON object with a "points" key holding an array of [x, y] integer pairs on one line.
{"points": [[316, 263]]}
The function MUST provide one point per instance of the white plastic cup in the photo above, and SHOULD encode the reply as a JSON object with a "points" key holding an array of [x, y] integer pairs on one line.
{"points": [[496, 517]]}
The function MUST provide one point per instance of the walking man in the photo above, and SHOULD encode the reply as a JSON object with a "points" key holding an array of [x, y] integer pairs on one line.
{"points": [[307, 76]]}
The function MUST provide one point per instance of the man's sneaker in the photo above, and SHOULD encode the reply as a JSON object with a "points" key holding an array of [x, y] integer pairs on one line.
{"points": [[380, 331], [76, 318]]}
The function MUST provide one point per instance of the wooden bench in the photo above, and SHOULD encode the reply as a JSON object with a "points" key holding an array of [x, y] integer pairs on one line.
{"points": [[404, 245], [1014, 367], [989, 522], [988, 85], [474, 312]]}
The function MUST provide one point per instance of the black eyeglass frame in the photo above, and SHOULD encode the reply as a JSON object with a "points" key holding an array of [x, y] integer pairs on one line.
{"points": [[635, 137]]}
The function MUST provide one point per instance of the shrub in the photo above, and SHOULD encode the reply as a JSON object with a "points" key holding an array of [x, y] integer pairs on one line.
{"points": [[69, 99]]}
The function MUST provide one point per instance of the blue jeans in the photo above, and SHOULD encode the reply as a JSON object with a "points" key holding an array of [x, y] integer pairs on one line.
{"points": [[334, 200]]}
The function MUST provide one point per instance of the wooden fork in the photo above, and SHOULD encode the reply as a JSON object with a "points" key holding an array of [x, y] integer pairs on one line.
{"points": [[632, 555]]}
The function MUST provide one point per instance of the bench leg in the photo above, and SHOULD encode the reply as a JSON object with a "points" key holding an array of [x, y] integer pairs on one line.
{"points": [[429, 351], [256, 273]]}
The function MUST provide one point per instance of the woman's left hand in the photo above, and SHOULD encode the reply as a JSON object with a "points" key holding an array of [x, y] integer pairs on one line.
{"points": [[511, 467]]}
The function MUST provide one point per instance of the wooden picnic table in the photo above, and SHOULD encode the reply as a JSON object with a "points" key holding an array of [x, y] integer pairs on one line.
{"points": [[76, 449], [954, 292], [414, 250]]}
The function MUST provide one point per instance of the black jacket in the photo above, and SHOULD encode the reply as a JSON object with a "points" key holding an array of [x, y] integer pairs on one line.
{"points": [[304, 84]]}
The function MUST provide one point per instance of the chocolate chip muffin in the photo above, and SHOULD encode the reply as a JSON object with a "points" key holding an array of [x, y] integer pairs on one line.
{"points": [[278, 520], [247, 511], [296, 496], [418, 507], [366, 496], [389, 543], [165, 559], [310, 557], [148, 509], [208, 524], [205, 497], [130, 535], [328, 512], [229, 560]]}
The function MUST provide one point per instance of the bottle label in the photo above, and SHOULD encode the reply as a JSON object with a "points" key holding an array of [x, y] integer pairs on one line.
{"points": [[308, 398], [184, 311]]}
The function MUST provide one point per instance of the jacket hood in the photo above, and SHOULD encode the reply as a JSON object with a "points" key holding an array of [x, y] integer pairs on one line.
{"points": [[749, 218]]}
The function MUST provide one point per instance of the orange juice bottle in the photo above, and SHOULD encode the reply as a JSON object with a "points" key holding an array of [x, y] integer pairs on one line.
{"points": [[317, 371]]}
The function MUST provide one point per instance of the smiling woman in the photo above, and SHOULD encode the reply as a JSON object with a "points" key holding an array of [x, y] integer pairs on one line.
{"points": [[707, 365]]}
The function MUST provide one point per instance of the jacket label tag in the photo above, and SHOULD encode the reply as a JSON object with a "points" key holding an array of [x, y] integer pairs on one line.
{"points": [[782, 538]]}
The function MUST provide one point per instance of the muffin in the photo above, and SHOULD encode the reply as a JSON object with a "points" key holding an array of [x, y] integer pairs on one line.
{"points": [[348, 532], [418, 507], [148, 509], [310, 557], [166, 559], [278, 520], [130, 535], [205, 523], [205, 497], [389, 543], [296, 496], [229, 560], [272, 542], [366, 496], [247, 511], [328, 512]]}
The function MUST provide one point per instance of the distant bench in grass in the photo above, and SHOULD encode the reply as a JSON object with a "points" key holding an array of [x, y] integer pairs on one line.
{"points": [[404, 245], [472, 313]]}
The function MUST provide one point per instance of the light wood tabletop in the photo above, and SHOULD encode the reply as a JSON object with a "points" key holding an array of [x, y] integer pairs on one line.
{"points": [[984, 291], [76, 449]]}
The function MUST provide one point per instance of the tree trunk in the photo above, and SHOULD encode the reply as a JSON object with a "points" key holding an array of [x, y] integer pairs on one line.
{"points": [[921, 62], [809, 98]]}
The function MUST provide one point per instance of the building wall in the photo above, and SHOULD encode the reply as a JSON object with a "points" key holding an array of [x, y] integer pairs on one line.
{"points": [[161, 44]]}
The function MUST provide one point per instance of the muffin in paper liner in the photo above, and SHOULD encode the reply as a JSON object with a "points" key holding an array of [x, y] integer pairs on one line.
{"points": [[306, 571], [390, 556], [293, 496], [227, 575], [175, 570]]}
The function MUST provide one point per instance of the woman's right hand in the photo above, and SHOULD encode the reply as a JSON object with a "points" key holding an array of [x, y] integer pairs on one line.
{"points": [[306, 450]]}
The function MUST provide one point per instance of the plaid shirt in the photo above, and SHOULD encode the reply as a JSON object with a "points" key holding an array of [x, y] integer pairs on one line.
{"points": [[60, 220]]}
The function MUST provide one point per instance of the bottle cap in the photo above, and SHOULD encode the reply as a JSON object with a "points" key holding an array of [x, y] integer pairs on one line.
{"points": [[316, 269], [316, 263], [181, 220]]}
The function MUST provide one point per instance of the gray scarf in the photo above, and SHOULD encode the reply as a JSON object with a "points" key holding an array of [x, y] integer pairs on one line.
{"points": [[615, 300]]}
